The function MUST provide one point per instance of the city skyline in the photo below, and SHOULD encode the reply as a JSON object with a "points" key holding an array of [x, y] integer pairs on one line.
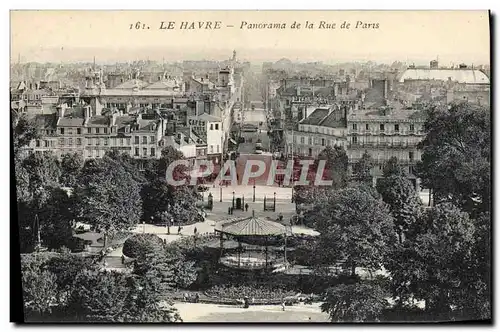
{"points": [[417, 36]]}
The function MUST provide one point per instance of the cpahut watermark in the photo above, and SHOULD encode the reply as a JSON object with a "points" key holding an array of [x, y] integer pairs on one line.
{"points": [[253, 169]]}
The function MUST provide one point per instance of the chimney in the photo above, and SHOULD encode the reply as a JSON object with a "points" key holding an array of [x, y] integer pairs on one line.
{"points": [[87, 111]]}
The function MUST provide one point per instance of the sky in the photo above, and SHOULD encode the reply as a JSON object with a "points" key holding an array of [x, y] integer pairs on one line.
{"points": [[407, 36]]}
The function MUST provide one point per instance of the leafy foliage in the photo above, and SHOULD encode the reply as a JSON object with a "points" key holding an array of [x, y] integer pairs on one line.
{"points": [[140, 245], [357, 302], [39, 286], [107, 196], [443, 265], [362, 169], [456, 156], [71, 165], [336, 165], [405, 205], [355, 228]]}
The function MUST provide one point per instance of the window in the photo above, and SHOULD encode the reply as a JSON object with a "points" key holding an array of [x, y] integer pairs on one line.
{"points": [[128, 141], [144, 152], [136, 140], [78, 141], [61, 131], [89, 130], [216, 126], [61, 142], [121, 141], [70, 142], [70, 131], [302, 140], [367, 126], [144, 140], [97, 130], [310, 141], [137, 152], [382, 127], [37, 143], [151, 139], [355, 139], [410, 155], [105, 130], [153, 152], [396, 128], [97, 141], [323, 142], [211, 149], [78, 131], [310, 152], [412, 127], [106, 141], [354, 126], [211, 126]]}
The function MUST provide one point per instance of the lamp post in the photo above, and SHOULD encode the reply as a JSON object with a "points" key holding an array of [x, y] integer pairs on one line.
{"points": [[274, 207], [233, 199], [253, 190]]}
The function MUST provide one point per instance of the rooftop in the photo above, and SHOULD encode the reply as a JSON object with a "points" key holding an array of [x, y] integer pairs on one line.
{"points": [[467, 76], [394, 114], [250, 226], [316, 117]]}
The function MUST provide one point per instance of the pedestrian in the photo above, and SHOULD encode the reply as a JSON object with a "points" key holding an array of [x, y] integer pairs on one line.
{"points": [[195, 231], [229, 210], [123, 260], [282, 304], [179, 230], [246, 207]]}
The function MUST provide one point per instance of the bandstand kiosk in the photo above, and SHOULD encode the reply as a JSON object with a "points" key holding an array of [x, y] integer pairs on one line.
{"points": [[258, 243]]}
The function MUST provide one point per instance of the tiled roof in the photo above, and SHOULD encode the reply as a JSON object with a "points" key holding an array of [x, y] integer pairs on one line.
{"points": [[467, 76], [208, 117], [45, 121], [130, 84], [395, 114], [250, 226], [316, 117], [332, 122], [98, 121], [164, 84], [70, 122], [138, 93]]}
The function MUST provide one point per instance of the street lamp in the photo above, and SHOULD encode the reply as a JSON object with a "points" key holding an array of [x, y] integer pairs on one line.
{"points": [[233, 199], [253, 190], [274, 201]]}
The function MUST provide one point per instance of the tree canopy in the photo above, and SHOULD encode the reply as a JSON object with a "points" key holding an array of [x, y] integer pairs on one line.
{"points": [[457, 155]]}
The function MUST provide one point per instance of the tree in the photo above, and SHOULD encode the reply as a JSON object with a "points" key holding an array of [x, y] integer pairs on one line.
{"points": [[456, 156], [165, 202], [336, 165], [66, 268], [39, 286], [168, 156], [140, 245], [438, 265], [23, 132], [392, 167], [99, 297], [71, 165], [356, 302], [107, 197], [355, 228], [362, 169], [399, 193]]}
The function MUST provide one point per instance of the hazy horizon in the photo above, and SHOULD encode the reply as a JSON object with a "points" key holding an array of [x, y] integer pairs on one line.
{"points": [[407, 36]]}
